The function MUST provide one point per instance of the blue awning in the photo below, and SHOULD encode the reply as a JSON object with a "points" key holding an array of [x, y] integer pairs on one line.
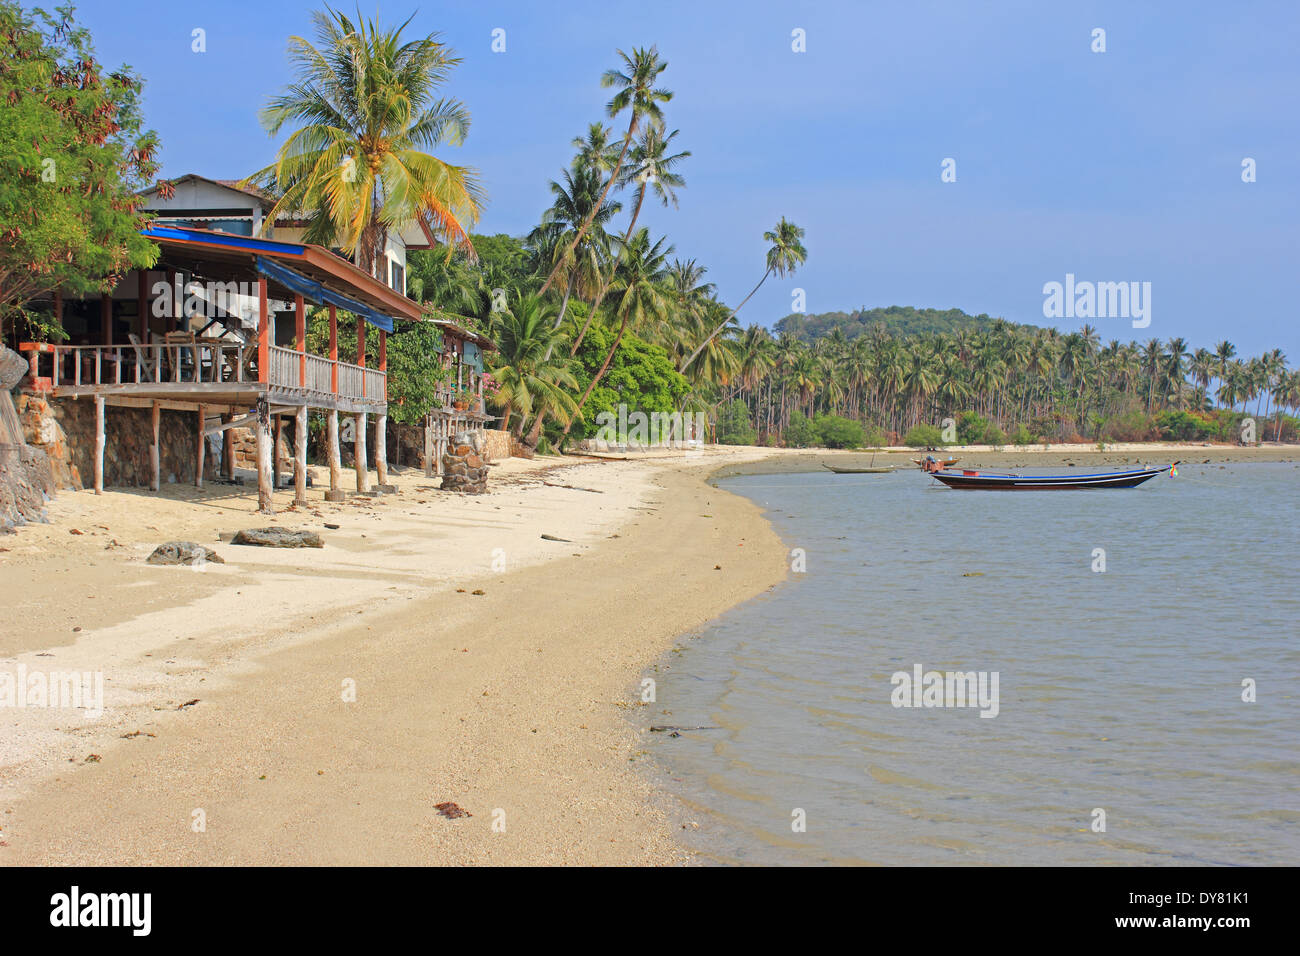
{"points": [[313, 291]]}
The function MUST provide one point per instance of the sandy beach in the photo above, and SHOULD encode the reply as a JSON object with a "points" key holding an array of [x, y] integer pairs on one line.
{"points": [[226, 737], [511, 704]]}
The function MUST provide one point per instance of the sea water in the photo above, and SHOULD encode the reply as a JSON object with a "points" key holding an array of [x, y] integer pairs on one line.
{"points": [[1129, 631]]}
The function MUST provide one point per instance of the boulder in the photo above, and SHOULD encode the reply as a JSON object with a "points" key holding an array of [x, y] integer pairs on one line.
{"points": [[278, 538], [184, 552]]}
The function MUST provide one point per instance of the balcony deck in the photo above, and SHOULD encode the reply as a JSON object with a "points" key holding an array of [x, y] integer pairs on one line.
{"points": [[205, 372]]}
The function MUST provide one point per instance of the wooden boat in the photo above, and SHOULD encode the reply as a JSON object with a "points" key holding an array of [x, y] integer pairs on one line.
{"points": [[943, 462], [877, 470], [968, 479]]}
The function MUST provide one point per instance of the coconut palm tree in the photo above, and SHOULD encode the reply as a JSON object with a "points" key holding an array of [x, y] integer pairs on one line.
{"points": [[785, 254], [636, 93], [642, 295], [579, 265], [366, 106], [534, 384]]}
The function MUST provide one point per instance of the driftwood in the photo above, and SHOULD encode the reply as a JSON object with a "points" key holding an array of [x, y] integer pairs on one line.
{"points": [[552, 484]]}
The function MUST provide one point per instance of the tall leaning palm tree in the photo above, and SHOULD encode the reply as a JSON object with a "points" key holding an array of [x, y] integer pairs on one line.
{"points": [[785, 254], [366, 106], [642, 293], [638, 95]]}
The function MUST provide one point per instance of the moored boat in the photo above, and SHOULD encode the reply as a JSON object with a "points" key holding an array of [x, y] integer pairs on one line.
{"points": [[971, 479], [877, 470]]}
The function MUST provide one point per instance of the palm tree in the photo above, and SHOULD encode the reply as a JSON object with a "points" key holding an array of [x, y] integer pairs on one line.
{"points": [[651, 167], [641, 292], [533, 384], [357, 165], [1223, 354], [637, 93], [784, 256], [580, 264]]}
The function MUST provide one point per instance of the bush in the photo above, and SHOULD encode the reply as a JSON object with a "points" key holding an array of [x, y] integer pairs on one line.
{"points": [[734, 427], [835, 431], [923, 436], [972, 429], [1022, 436], [873, 436], [1131, 426], [1185, 426], [800, 433]]}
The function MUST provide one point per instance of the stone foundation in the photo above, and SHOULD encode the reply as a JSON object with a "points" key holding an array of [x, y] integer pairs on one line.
{"points": [[26, 484], [64, 429], [463, 467]]}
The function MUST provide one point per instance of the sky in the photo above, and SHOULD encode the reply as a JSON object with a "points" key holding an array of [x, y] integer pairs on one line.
{"points": [[1122, 165]]}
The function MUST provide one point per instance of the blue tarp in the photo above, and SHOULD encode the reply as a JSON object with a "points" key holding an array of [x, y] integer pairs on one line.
{"points": [[313, 291]]}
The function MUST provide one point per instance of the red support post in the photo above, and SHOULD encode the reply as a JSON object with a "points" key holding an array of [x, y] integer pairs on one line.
{"points": [[263, 334]]}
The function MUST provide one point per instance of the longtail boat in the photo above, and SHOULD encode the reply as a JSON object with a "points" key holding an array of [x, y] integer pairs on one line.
{"points": [[970, 479], [943, 462], [877, 470]]}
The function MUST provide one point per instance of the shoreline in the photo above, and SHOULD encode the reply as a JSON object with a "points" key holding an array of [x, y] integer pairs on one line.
{"points": [[513, 705], [523, 699]]}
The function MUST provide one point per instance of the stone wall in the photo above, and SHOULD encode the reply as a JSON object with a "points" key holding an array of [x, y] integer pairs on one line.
{"points": [[463, 467], [64, 429], [496, 444], [26, 484]]}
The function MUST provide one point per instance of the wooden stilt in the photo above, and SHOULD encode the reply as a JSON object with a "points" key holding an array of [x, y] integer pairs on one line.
{"points": [[300, 457], [155, 452], [265, 478], [275, 451], [228, 450], [381, 452], [99, 444], [359, 447], [202, 450], [336, 468], [428, 446]]}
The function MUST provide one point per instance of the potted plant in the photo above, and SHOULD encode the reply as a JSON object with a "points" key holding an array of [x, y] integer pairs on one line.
{"points": [[462, 398]]}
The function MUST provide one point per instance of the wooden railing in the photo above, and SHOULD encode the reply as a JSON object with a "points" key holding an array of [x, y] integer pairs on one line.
{"points": [[194, 363]]}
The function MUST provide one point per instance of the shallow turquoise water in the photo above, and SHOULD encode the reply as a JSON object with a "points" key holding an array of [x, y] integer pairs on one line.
{"points": [[1119, 691]]}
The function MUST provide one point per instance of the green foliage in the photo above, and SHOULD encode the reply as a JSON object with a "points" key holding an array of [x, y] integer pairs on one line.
{"points": [[835, 431], [415, 371], [1021, 435], [74, 156], [899, 320], [923, 436], [1186, 426], [640, 376], [801, 432], [972, 429], [734, 426]]}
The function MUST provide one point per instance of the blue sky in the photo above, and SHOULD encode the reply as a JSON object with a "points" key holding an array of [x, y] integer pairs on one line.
{"points": [[1115, 166]]}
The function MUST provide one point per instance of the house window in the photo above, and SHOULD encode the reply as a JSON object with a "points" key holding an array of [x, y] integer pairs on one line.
{"points": [[396, 276]]}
